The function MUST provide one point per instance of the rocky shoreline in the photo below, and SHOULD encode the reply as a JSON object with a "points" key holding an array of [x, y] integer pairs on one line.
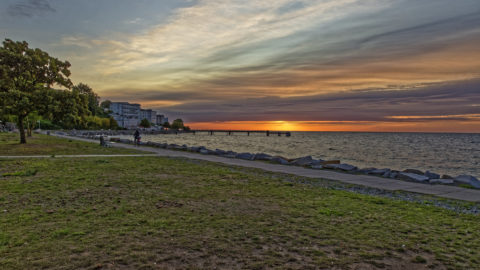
{"points": [[412, 175]]}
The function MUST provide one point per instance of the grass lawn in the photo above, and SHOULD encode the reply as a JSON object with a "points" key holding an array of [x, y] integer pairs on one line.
{"points": [[40, 144], [156, 213]]}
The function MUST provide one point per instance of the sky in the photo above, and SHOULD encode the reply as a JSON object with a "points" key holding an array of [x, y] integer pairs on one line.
{"points": [[316, 65]]}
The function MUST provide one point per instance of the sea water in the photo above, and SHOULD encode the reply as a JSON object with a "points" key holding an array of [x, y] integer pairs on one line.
{"points": [[443, 153]]}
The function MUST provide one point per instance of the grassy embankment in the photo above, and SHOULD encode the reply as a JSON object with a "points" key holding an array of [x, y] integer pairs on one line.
{"points": [[149, 212], [40, 144]]}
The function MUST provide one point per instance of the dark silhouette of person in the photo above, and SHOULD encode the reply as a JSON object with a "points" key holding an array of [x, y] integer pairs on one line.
{"points": [[136, 137]]}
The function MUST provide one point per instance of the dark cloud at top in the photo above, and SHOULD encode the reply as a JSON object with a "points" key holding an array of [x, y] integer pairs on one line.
{"points": [[30, 8]]}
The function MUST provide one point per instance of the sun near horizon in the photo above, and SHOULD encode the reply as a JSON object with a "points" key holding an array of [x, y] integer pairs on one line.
{"points": [[325, 126]]}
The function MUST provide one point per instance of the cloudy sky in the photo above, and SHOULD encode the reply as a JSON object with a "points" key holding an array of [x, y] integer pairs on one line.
{"points": [[362, 65]]}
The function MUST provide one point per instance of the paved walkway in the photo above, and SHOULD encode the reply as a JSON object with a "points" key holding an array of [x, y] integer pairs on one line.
{"points": [[443, 191]]}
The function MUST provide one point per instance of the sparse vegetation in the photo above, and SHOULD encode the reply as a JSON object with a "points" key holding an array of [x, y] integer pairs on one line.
{"points": [[96, 213]]}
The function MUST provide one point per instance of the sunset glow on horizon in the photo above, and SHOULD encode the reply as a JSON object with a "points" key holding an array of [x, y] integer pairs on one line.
{"points": [[295, 65], [346, 126]]}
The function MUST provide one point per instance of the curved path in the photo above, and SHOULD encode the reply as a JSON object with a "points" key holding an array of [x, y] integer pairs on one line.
{"points": [[450, 192]]}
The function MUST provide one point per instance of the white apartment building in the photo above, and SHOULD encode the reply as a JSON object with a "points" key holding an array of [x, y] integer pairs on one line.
{"points": [[126, 114]]}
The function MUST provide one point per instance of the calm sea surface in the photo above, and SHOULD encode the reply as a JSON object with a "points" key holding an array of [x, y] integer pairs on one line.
{"points": [[443, 153]]}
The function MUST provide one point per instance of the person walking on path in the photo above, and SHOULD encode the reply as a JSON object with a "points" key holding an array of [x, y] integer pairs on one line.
{"points": [[136, 137]]}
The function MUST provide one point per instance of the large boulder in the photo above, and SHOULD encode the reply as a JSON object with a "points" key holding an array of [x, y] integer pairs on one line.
{"points": [[469, 180], [173, 146], [432, 175], [303, 161], [446, 176], [317, 162], [414, 171], [246, 156], [393, 174], [280, 160], [262, 156], [204, 151], [194, 149], [412, 177], [441, 181], [230, 154], [342, 167], [366, 170], [220, 152], [379, 171]]}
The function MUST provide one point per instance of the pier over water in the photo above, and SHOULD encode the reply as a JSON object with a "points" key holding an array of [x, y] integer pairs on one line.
{"points": [[232, 132]]}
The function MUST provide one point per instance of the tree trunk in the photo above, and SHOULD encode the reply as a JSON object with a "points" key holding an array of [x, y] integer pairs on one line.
{"points": [[21, 129]]}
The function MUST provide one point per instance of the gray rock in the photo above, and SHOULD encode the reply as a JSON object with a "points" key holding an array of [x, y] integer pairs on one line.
{"points": [[303, 161], [179, 147], [229, 155], [387, 174], [441, 181], [172, 146], [432, 175], [194, 149], [246, 156], [412, 177], [280, 160], [163, 145], [414, 171], [468, 179], [379, 171], [343, 167], [317, 162], [365, 170], [204, 151], [220, 152], [262, 156], [446, 176], [317, 167], [393, 174]]}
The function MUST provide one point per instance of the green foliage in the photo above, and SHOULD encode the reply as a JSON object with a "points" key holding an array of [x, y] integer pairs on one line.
{"points": [[91, 97], [177, 124], [166, 125], [47, 124], [105, 104], [145, 123], [27, 76]]}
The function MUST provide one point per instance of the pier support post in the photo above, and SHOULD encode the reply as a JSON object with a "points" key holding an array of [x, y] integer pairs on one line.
{"points": [[268, 133]]}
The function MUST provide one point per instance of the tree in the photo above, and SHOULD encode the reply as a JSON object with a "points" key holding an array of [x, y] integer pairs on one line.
{"points": [[177, 124], [145, 124], [113, 123], [31, 122], [92, 98], [166, 125], [105, 104], [26, 76]]}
